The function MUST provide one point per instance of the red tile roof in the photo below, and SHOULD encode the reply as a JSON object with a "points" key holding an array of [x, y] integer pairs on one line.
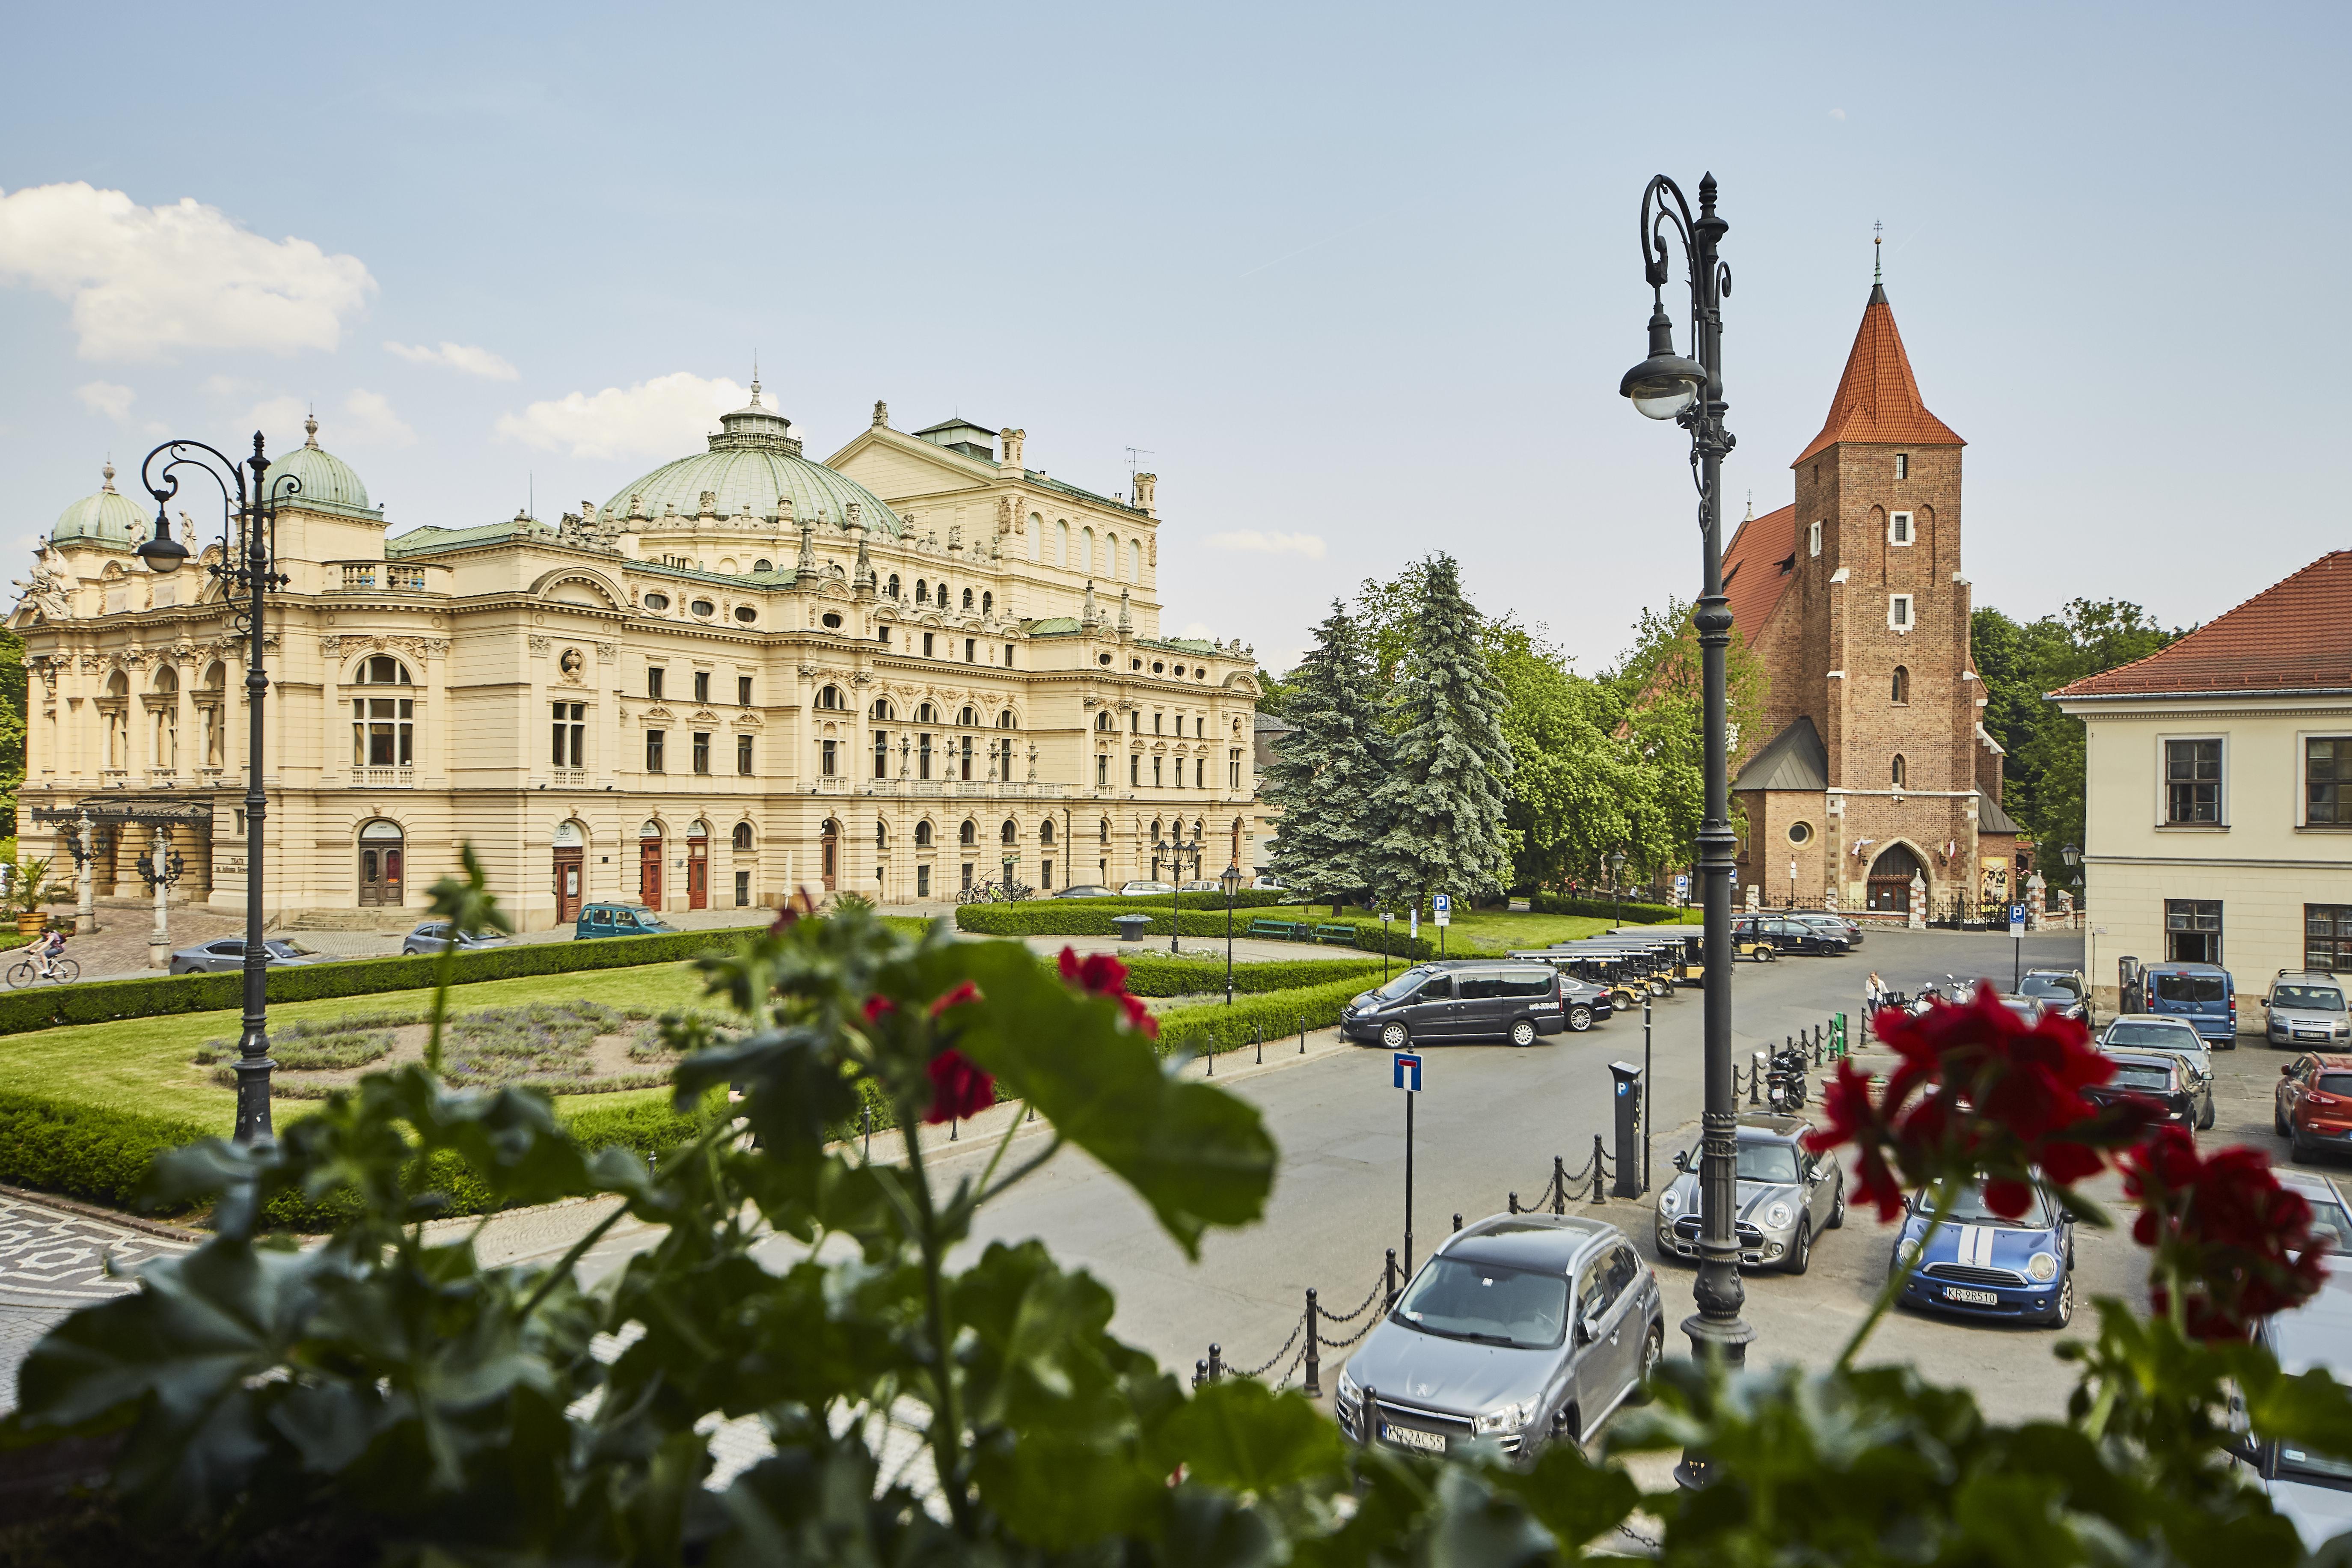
{"points": [[1878, 398], [2295, 636], [1753, 580]]}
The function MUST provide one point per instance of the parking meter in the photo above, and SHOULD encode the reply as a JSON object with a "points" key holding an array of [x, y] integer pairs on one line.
{"points": [[1627, 1081]]}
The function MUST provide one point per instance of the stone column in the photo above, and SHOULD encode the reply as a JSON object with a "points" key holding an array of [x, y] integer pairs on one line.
{"points": [[159, 940], [2036, 907], [1918, 918], [85, 878]]}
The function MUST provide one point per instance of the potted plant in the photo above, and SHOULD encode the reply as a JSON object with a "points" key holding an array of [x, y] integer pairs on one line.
{"points": [[28, 889]]}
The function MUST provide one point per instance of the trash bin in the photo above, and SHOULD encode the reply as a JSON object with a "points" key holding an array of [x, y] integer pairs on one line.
{"points": [[1130, 927]]}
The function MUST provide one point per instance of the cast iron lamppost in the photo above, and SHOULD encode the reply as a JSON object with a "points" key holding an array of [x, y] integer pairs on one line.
{"points": [[1617, 883], [249, 500], [1233, 880], [1690, 393], [160, 869], [1175, 849]]}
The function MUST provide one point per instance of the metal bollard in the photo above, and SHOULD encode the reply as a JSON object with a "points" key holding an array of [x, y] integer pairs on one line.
{"points": [[865, 1115], [1200, 1373], [1302, 1034], [1261, 1050], [1366, 1420], [1755, 1079], [1597, 1157], [1216, 1363], [1213, 1059], [1559, 1185], [1514, 1203], [1457, 1221], [955, 1125], [1314, 1362], [1389, 1280]]}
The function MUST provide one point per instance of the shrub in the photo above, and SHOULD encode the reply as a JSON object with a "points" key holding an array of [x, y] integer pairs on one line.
{"points": [[1213, 1026], [1247, 898], [1169, 976], [1083, 917], [84, 1151], [1609, 909]]}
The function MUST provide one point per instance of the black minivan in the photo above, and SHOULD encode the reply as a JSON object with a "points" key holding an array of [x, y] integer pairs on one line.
{"points": [[1432, 1002]]}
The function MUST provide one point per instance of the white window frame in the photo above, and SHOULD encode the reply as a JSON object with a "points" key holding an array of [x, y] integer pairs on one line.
{"points": [[1813, 538], [2163, 817], [1902, 465], [1902, 529], [1902, 615]]}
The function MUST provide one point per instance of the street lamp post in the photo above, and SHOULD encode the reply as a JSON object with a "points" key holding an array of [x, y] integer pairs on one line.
{"points": [[249, 500], [1617, 883], [1233, 880], [160, 869], [1668, 386], [1174, 848]]}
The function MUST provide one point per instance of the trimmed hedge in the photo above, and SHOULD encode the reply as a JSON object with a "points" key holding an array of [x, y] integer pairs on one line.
{"points": [[85, 1151], [1214, 1027], [1081, 917], [1182, 978], [1608, 910], [103, 1001], [1247, 898]]}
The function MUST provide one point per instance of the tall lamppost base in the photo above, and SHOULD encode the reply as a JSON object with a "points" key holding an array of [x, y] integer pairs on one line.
{"points": [[1718, 1344]]}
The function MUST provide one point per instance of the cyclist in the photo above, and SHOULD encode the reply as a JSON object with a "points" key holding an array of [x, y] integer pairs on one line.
{"points": [[45, 951]]}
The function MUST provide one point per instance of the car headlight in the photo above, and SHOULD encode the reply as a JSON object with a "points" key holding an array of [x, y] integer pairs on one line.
{"points": [[1670, 1202], [1778, 1217], [2042, 1266], [1907, 1249], [1504, 1418], [1350, 1392]]}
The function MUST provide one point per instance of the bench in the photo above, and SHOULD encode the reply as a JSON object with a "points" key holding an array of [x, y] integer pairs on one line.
{"points": [[1281, 930], [1336, 936]]}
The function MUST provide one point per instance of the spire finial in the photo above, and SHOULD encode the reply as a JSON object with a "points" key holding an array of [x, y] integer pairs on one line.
{"points": [[108, 471], [755, 378], [311, 430], [1878, 256], [1751, 506]]}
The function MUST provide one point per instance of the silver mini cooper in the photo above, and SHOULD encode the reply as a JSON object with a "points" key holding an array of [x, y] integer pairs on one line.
{"points": [[1786, 1197]]}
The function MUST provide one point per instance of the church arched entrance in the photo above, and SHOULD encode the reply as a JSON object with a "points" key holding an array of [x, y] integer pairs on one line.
{"points": [[1890, 879]]}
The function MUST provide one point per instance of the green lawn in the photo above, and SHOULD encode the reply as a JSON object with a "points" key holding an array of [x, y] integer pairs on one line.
{"points": [[1492, 930]]}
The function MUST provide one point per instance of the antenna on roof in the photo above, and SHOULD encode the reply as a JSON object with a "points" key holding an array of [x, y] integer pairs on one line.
{"points": [[1877, 238], [1751, 506], [1132, 454]]}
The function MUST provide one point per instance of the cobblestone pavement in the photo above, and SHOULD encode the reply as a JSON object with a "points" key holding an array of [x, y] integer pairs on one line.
{"points": [[118, 949], [53, 1260]]}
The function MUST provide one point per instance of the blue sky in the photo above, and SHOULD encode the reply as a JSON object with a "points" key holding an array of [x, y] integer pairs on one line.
{"points": [[1360, 280]]}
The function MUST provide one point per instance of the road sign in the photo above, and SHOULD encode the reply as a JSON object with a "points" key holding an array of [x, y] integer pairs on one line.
{"points": [[1416, 922], [2017, 920], [1406, 1069], [1681, 887], [1442, 906]]}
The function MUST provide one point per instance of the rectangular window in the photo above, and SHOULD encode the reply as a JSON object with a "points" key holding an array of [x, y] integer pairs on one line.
{"points": [[1155, 772], [653, 738], [2327, 771], [824, 762], [971, 646], [1102, 773], [1008, 656], [1898, 612], [1156, 717], [742, 691], [927, 644], [702, 687], [883, 634], [2193, 934], [923, 758], [1898, 528], [1045, 877], [2192, 782], [1135, 722], [2327, 937], [1134, 771], [1902, 465], [967, 876], [881, 754], [1813, 539], [702, 750], [742, 890], [1199, 773], [384, 732], [923, 881], [743, 754], [1233, 770], [654, 682], [571, 733]]}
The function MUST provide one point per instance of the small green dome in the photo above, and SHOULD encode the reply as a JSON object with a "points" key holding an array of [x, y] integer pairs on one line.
{"points": [[753, 463], [109, 516], [328, 483]]}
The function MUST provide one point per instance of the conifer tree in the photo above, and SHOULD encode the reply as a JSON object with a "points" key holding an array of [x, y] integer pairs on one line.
{"points": [[1327, 771], [1442, 807]]}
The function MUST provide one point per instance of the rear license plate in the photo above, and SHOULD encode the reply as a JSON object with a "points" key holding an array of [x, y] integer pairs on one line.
{"points": [[1407, 1438], [1971, 1298]]}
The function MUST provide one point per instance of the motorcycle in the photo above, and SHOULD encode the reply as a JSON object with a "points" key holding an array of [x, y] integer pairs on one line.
{"points": [[1784, 1077]]}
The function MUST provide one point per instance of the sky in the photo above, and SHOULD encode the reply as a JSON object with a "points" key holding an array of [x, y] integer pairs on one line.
{"points": [[1357, 282]]}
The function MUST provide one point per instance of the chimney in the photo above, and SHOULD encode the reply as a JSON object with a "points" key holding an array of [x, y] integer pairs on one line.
{"points": [[1012, 439]]}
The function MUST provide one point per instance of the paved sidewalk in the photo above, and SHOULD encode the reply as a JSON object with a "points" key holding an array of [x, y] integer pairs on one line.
{"points": [[54, 1258]]}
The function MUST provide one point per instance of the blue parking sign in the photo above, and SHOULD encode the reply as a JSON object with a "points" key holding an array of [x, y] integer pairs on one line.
{"points": [[2017, 920], [1406, 1065]]}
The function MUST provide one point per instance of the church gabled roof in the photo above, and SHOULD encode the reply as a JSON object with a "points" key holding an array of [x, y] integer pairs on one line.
{"points": [[1878, 397], [1793, 759], [1753, 577]]}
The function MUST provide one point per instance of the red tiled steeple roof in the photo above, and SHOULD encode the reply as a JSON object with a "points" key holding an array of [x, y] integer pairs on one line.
{"points": [[1753, 577], [1878, 397], [2295, 636]]}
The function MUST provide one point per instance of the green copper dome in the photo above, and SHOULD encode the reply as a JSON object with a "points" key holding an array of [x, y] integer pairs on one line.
{"points": [[328, 484], [109, 516], [753, 463]]}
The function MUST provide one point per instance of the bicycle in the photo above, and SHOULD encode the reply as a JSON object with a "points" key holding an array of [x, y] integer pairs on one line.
{"points": [[24, 972]]}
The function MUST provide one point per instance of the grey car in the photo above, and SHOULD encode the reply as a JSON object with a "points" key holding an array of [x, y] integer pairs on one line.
{"points": [[2173, 1037], [433, 936], [1786, 1197], [227, 955], [2307, 1011], [1523, 1330], [2060, 991], [2312, 1489]]}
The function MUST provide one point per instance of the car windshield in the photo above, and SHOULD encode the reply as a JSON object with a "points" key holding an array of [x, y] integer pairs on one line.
{"points": [[281, 950], [2050, 985], [2295, 1461], [2189, 988], [2170, 1036], [2331, 1220], [1767, 1162], [2319, 998], [1403, 986], [1486, 1303], [1971, 1210], [2131, 1075]]}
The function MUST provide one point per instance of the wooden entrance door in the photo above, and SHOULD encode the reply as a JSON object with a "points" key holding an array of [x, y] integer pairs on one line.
{"points": [[570, 871], [698, 873], [830, 845], [649, 873], [1890, 880], [382, 866]]}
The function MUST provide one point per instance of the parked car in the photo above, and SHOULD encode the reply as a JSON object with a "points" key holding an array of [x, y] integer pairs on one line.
{"points": [[1087, 890], [433, 936], [2312, 1107], [1523, 1330], [1787, 936], [1473, 1001], [2305, 1008], [2330, 1216], [1203, 886], [2312, 1490], [227, 955], [1264, 884], [618, 920], [2060, 991], [1980, 1264], [2202, 995], [1830, 924], [1787, 1196], [1145, 890], [2160, 1076], [2146, 1032], [2025, 1007]]}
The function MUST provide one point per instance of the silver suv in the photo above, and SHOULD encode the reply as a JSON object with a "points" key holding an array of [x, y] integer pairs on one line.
{"points": [[2306, 1010], [1524, 1330]]}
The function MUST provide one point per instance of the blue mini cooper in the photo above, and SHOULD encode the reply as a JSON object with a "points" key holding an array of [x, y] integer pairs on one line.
{"points": [[1980, 1265]]}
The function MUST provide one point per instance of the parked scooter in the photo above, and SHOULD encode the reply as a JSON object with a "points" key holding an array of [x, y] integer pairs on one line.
{"points": [[1784, 1077]]}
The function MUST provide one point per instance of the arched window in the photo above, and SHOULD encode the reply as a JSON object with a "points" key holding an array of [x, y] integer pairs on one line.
{"points": [[1011, 832], [1102, 720], [741, 837], [893, 591], [1061, 545], [969, 719], [1134, 560], [969, 833], [967, 598], [1087, 549], [882, 708], [1106, 829], [763, 566], [926, 714], [987, 604], [382, 669], [922, 835], [1898, 770], [922, 592], [881, 835], [1112, 549], [1045, 831], [1005, 719], [1902, 685], [1036, 537]]}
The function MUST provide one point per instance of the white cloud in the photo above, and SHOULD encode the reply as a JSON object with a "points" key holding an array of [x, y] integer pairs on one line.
{"points": [[368, 421], [1837, 114], [466, 357], [280, 419], [660, 417], [1310, 545], [144, 281], [105, 397]]}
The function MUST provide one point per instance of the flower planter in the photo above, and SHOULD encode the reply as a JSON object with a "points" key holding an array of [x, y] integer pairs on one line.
{"points": [[31, 922]]}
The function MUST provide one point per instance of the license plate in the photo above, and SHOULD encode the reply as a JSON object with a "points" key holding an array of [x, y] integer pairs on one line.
{"points": [[1407, 1438], [1971, 1298]]}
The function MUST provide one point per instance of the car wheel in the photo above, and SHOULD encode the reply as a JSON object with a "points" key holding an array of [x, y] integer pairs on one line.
{"points": [[1579, 1018], [1395, 1037], [2064, 1312], [1523, 1032], [1654, 1350], [2205, 1124], [1837, 1208], [1768, 955], [2278, 1122], [2294, 1146], [1801, 1251]]}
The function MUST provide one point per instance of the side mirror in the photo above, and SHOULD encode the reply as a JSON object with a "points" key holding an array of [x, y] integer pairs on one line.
{"points": [[1682, 1160], [1587, 1331], [2287, 1070]]}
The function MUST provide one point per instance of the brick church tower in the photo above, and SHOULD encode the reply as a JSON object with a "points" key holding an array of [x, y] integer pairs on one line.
{"points": [[1877, 775]]}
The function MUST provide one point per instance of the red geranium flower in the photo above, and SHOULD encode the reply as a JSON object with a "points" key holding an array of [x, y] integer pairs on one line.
{"points": [[959, 1089], [2236, 1244], [877, 1005], [1100, 975], [967, 992]]}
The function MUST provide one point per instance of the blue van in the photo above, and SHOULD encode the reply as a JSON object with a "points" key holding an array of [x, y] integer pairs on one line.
{"points": [[618, 920], [2200, 994]]}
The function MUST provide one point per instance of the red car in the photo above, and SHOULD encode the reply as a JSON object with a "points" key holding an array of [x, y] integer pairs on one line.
{"points": [[2314, 1106]]}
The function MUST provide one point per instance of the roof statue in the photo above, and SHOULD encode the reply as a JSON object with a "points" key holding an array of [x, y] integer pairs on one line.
{"points": [[881, 414]]}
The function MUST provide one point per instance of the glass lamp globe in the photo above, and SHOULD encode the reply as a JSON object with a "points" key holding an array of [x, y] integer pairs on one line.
{"points": [[163, 553]]}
